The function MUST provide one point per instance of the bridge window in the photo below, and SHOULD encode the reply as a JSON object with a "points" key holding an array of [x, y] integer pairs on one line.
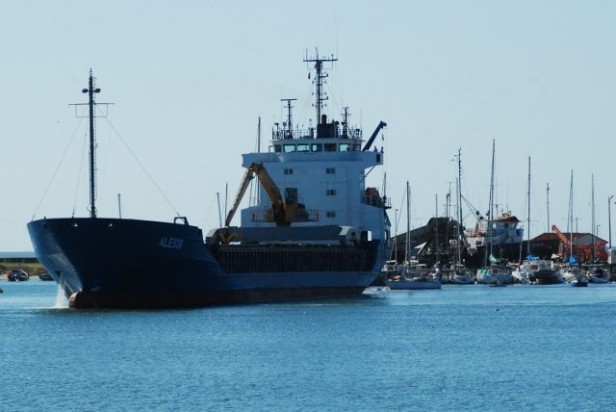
{"points": [[330, 170], [330, 147], [330, 213], [303, 148], [330, 192], [316, 147], [289, 148], [345, 147], [288, 171]]}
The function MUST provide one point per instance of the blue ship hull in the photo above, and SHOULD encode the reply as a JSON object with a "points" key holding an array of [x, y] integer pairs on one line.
{"points": [[124, 263]]}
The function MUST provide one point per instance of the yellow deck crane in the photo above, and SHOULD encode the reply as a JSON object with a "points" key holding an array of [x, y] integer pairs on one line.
{"points": [[282, 212]]}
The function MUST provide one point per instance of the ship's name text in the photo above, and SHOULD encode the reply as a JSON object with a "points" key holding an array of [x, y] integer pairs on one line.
{"points": [[171, 243]]}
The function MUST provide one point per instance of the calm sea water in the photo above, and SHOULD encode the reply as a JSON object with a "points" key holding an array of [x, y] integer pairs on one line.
{"points": [[460, 348]]}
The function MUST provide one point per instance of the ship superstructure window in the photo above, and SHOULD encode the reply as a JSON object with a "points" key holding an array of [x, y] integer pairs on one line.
{"points": [[330, 213], [330, 147], [330, 192], [288, 171], [345, 147], [316, 147], [277, 148], [330, 170], [303, 148], [289, 148]]}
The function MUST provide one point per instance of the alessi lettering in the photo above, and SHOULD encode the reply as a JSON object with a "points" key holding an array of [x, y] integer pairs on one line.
{"points": [[171, 243]]}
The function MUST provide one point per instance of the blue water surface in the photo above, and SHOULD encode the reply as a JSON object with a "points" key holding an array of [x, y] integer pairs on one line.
{"points": [[461, 348]]}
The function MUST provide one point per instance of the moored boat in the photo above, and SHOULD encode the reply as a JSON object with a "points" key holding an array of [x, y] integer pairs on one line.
{"points": [[498, 272], [461, 276], [539, 271], [416, 283], [598, 274], [311, 235], [504, 239], [579, 281]]}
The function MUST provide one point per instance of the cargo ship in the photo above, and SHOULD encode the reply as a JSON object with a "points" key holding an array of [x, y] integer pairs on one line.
{"points": [[315, 231]]}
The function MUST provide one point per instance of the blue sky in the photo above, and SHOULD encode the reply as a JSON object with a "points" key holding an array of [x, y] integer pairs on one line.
{"points": [[190, 79]]}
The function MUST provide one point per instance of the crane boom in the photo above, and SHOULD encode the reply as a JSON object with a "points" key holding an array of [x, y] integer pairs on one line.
{"points": [[248, 176], [374, 134], [272, 190], [561, 236]]}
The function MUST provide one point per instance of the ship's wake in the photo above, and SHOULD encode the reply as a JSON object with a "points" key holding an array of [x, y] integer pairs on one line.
{"points": [[61, 300]]}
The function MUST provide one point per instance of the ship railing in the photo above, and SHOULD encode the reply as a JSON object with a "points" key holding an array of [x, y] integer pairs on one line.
{"points": [[372, 197], [311, 133]]}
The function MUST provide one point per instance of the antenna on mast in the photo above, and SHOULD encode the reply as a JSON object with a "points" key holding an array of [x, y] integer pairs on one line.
{"points": [[319, 79], [345, 121], [288, 132], [91, 90]]}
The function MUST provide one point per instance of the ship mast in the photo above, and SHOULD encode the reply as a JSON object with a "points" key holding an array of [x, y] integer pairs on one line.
{"points": [[319, 80], [91, 90]]}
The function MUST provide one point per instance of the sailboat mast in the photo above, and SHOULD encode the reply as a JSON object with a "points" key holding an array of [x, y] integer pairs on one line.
{"points": [[570, 221], [490, 211], [407, 247], [459, 196], [593, 230], [547, 204], [528, 212]]}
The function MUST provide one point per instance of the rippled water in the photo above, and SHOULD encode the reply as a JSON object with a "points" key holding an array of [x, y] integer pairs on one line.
{"points": [[460, 348]]}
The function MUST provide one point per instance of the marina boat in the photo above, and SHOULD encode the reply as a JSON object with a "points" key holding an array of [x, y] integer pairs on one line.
{"points": [[522, 273], [458, 273], [498, 272], [505, 240], [572, 271], [579, 281], [535, 270], [599, 275], [316, 231], [494, 271], [461, 276], [415, 283], [412, 275], [17, 275]]}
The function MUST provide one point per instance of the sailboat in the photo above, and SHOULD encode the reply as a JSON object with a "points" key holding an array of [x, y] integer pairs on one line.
{"points": [[533, 269], [411, 279], [460, 275], [494, 271], [596, 271], [572, 273]]}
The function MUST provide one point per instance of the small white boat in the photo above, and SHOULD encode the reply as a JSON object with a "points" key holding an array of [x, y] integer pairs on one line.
{"points": [[572, 271]]}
